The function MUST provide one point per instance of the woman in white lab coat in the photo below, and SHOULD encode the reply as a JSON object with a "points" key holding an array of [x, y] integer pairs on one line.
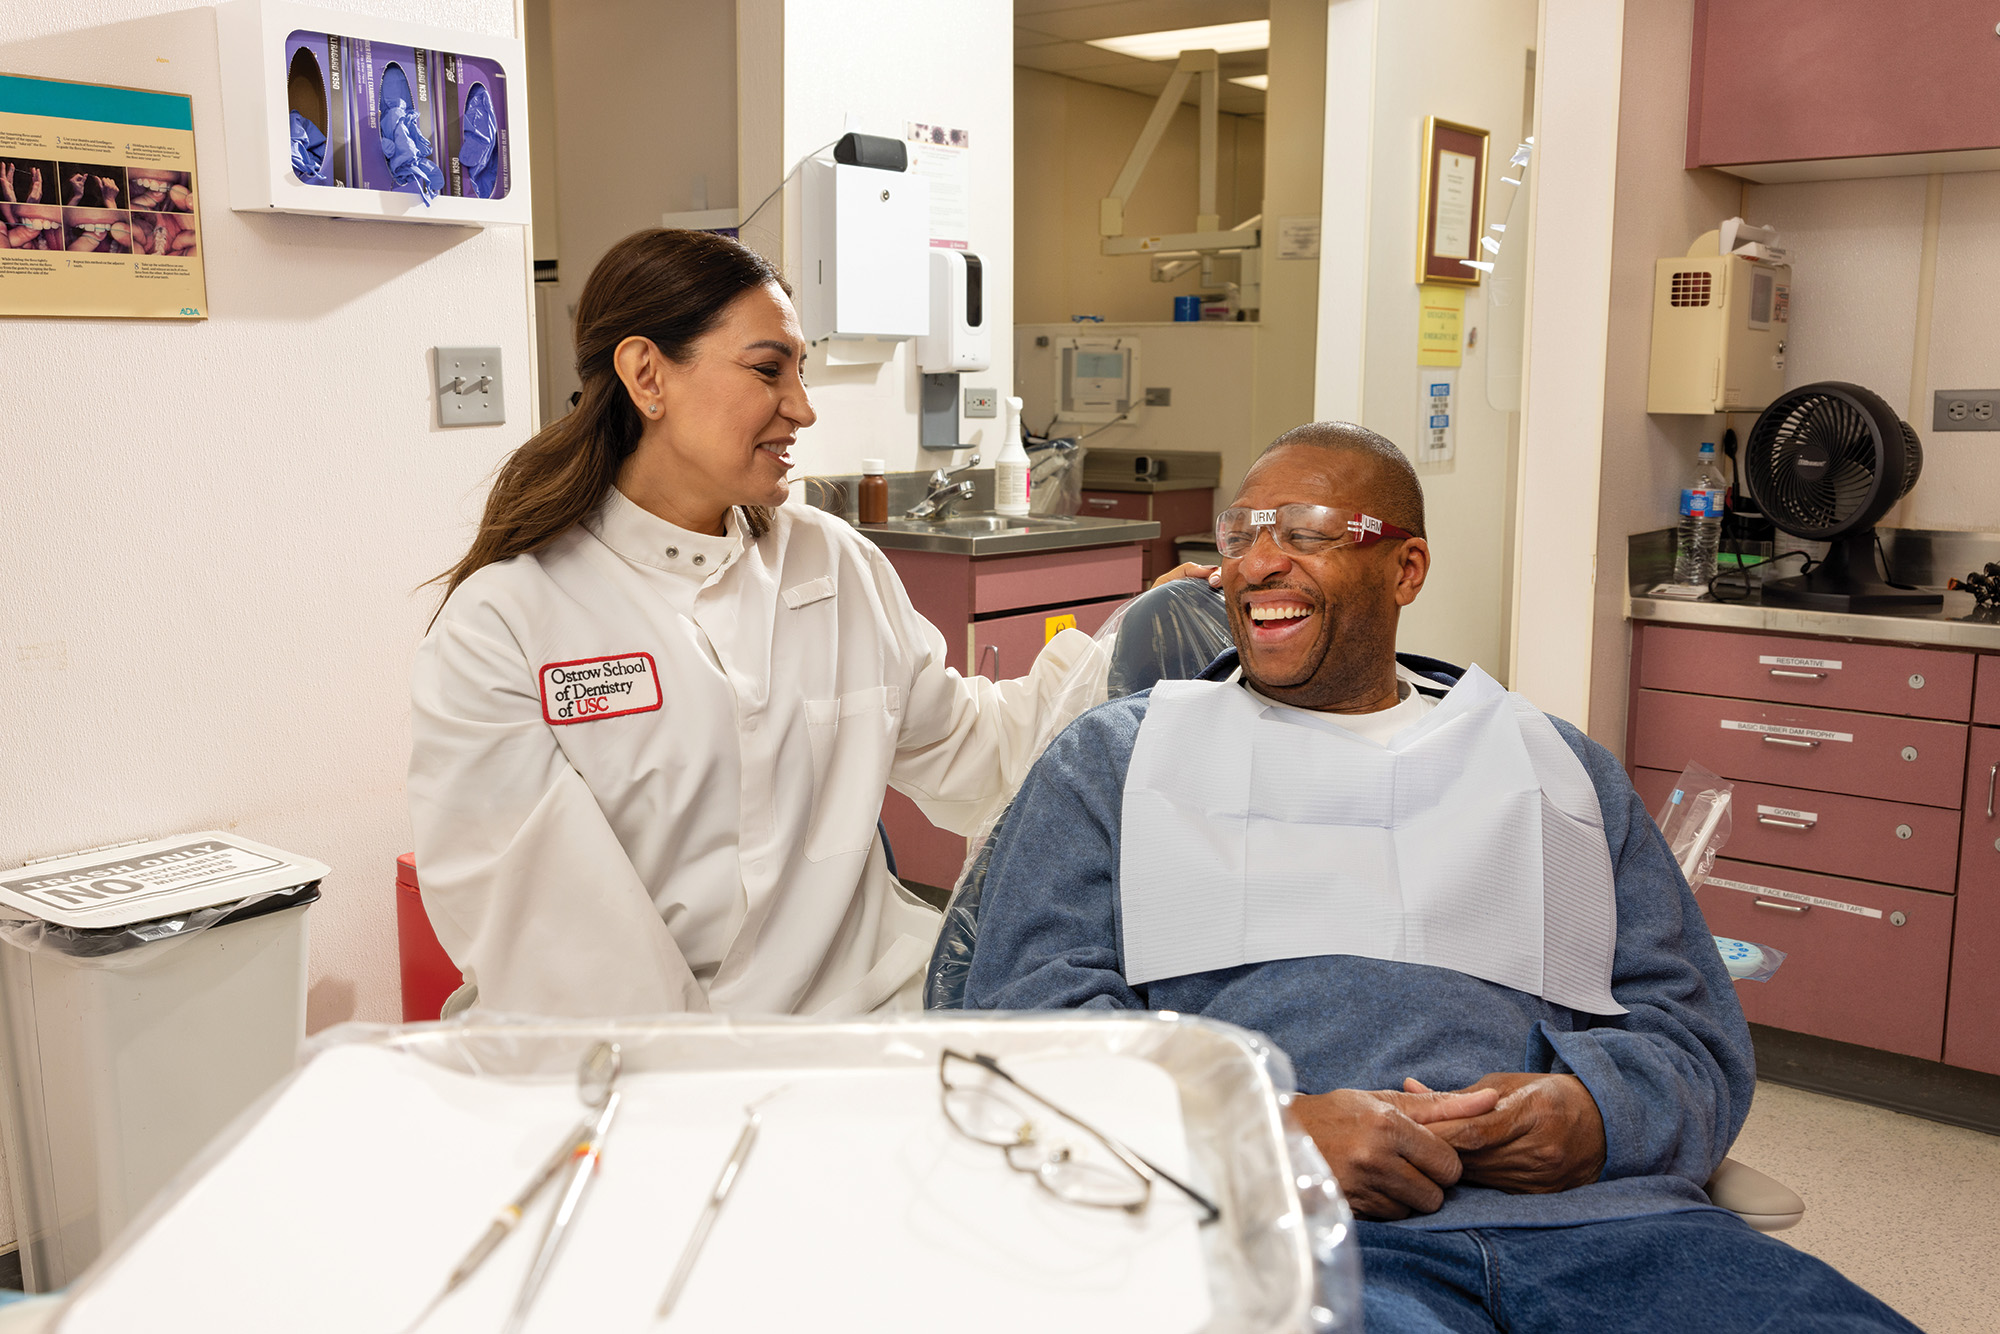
{"points": [[654, 719]]}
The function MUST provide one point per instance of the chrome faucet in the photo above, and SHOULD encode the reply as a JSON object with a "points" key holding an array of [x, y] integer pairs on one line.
{"points": [[944, 494]]}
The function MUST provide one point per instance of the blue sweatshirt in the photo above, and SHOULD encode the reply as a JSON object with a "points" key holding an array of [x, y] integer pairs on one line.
{"points": [[1672, 1077]]}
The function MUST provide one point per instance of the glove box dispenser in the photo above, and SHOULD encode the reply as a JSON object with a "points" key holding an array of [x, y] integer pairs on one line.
{"points": [[341, 115]]}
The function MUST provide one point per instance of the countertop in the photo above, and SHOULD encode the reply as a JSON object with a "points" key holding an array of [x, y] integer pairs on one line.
{"points": [[1920, 557], [994, 535]]}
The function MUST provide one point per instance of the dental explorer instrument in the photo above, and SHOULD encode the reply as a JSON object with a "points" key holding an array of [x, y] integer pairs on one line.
{"points": [[713, 1209], [583, 1168]]}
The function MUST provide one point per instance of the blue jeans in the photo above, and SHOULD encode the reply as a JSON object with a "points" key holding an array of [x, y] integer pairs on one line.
{"points": [[1701, 1270]]}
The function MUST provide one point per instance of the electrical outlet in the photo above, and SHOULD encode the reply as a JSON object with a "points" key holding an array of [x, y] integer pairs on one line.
{"points": [[468, 389], [1159, 398], [981, 403], [1965, 410]]}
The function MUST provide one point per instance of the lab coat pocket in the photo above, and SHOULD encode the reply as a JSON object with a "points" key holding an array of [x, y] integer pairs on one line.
{"points": [[853, 743]]}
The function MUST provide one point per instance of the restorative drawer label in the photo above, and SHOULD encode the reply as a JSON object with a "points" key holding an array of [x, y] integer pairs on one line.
{"points": [[189, 866], [587, 689], [1823, 664]]}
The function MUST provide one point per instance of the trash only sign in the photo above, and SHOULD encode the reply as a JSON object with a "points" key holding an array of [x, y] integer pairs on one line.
{"points": [[115, 886]]}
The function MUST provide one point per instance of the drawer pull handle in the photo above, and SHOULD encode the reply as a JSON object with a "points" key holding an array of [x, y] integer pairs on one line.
{"points": [[1793, 741], [1990, 780], [1777, 823], [1798, 676], [1783, 907], [1105, 504]]}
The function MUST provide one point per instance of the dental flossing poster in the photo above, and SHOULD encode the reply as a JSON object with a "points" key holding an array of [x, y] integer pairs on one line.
{"points": [[98, 202]]}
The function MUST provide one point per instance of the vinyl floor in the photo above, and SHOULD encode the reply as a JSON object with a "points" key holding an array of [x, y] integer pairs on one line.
{"points": [[1907, 1208]]}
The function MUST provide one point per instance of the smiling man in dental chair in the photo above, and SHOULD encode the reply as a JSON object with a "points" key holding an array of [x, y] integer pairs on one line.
{"points": [[1517, 1045]]}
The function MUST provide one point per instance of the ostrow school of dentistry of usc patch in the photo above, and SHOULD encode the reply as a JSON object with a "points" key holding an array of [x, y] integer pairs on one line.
{"points": [[589, 689]]}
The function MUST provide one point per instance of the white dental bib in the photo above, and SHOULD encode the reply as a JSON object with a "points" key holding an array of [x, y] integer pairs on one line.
{"points": [[1472, 841]]}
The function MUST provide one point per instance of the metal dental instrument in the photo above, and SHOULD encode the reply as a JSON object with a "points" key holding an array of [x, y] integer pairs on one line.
{"points": [[699, 1237], [606, 1058], [594, 1080]]}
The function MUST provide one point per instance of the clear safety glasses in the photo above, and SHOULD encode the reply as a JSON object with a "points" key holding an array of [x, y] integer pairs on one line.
{"points": [[1300, 530], [985, 1103]]}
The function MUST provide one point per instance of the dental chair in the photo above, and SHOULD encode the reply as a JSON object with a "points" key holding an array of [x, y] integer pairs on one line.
{"points": [[1172, 633]]}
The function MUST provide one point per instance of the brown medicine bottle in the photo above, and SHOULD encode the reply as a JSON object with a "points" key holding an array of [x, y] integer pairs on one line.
{"points": [[873, 503]]}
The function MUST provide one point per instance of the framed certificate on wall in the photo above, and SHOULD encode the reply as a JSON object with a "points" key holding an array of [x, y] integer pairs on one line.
{"points": [[1451, 211]]}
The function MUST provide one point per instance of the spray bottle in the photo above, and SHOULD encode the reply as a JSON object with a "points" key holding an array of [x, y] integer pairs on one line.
{"points": [[1010, 469]]}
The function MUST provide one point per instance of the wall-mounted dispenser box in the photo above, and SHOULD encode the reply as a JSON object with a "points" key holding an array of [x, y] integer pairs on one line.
{"points": [[341, 115], [960, 337], [1719, 329], [865, 247]]}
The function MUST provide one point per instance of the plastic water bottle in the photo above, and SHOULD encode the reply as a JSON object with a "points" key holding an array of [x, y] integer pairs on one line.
{"points": [[1701, 522]]}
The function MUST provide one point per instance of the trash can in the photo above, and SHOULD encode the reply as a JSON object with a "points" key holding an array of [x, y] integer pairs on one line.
{"points": [[429, 975], [153, 992]]}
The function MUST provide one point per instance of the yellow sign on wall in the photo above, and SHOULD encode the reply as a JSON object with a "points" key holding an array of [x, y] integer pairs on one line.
{"points": [[1440, 325], [1055, 625]]}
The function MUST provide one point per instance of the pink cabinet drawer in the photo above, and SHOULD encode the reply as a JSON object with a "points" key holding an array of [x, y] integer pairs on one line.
{"points": [[1986, 697], [1820, 673], [1852, 836], [1004, 583], [1972, 1024], [1006, 646], [1850, 973], [1865, 754], [1117, 505]]}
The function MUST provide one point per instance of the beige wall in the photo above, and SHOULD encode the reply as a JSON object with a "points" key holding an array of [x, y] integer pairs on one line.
{"points": [[1661, 207], [1461, 60], [1071, 139], [1858, 267], [212, 596], [644, 103]]}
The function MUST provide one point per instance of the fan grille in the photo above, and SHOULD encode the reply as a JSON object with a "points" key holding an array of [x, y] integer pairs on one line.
{"points": [[1817, 461]]}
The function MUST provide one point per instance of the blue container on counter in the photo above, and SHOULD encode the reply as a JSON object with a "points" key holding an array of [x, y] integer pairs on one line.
{"points": [[1187, 308]]}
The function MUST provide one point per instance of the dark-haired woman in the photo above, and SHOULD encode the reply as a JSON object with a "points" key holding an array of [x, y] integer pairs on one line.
{"points": [[655, 718]]}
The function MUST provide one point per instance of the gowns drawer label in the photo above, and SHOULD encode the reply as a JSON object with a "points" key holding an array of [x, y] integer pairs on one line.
{"points": [[589, 689]]}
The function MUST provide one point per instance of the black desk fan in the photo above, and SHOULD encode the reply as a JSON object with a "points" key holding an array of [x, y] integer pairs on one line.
{"points": [[1824, 462]]}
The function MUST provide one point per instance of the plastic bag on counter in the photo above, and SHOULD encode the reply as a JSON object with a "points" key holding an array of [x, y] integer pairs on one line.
{"points": [[1056, 469], [1696, 821], [1747, 962]]}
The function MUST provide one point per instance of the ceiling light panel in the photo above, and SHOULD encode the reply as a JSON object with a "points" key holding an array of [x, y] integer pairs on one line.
{"points": [[1261, 82], [1254, 35]]}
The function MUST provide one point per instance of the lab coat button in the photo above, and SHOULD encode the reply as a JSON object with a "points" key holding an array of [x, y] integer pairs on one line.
{"points": [[701, 560], [673, 552]]}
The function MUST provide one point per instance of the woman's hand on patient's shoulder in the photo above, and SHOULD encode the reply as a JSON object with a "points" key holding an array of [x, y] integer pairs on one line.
{"points": [[1192, 570], [1388, 1164]]}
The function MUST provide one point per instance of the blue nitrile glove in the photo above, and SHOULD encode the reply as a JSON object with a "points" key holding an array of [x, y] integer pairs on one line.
{"points": [[404, 147], [308, 148], [477, 155]]}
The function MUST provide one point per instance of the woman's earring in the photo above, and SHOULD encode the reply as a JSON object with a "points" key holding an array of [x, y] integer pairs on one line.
{"points": [[653, 409]]}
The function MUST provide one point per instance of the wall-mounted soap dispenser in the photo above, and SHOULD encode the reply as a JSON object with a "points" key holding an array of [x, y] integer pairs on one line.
{"points": [[960, 339]]}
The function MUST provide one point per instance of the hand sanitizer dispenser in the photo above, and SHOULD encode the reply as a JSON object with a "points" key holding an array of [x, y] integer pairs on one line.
{"points": [[960, 339]]}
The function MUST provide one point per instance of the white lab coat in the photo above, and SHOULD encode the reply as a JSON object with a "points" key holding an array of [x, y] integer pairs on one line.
{"points": [[717, 852]]}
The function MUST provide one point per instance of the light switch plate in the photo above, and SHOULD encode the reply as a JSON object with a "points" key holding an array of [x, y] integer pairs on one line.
{"points": [[468, 387], [1965, 410], [981, 403]]}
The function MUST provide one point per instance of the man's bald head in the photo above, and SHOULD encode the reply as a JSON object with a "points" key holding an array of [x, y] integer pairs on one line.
{"points": [[1394, 494]]}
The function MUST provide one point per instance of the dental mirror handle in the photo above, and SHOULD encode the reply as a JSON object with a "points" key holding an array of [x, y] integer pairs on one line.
{"points": [[586, 1157]]}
